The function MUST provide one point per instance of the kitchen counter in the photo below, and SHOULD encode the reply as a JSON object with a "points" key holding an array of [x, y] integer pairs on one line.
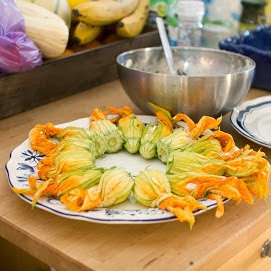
{"points": [[232, 242]]}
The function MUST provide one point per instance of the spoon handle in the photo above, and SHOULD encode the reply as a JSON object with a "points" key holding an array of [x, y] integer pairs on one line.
{"points": [[165, 43]]}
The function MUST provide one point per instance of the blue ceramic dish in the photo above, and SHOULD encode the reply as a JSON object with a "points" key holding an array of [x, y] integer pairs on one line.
{"points": [[255, 44]]}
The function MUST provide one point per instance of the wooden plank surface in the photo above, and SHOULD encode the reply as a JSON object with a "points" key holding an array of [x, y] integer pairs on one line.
{"points": [[77, 245]]}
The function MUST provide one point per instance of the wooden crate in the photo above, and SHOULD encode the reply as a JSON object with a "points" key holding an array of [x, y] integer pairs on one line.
{"points": [[65, 76]]}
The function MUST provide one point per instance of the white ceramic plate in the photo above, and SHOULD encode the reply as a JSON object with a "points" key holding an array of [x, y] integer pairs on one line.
{"points": [[23, 162], [252, 119]]}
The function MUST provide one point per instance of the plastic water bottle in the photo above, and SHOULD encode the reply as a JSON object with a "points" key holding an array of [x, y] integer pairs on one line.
{"points": [[189, 16]]}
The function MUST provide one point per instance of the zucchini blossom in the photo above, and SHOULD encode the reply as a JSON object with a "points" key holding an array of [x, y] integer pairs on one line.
{"points": [[174, 141], [75, 144], [115, 187], [73, 132], [62, 184], [113, 136], [152, 133], [132, 129], [78, 159], [83, 179], [183, 161], [152, 189]]}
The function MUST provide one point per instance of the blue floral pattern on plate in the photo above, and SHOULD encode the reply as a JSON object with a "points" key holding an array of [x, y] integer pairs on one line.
{"points": [[23, 163]]}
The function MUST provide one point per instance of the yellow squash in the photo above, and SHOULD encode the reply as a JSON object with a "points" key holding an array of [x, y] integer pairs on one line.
{"points": [[104, 12], [48, 31], [85, 33], [73, 3], [59, 7], [133, 24]]}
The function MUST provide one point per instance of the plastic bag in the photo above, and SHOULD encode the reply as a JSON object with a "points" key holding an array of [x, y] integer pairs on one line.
{"points": [[17, 52]]}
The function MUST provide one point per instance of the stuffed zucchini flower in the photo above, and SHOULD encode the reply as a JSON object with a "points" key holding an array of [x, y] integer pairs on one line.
{"points": [[130, 126], [62, 184], [73, 132], [115, 187], [73, 179], [174, 141], [152, 133], [152, 189], [71, 160], [40, 138], [184, 161], [132, 129], [68, 144], [113, 136], [214, 187]]}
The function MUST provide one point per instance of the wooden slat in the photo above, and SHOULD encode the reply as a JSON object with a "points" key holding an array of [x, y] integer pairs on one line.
{"points": [[59, 78]]}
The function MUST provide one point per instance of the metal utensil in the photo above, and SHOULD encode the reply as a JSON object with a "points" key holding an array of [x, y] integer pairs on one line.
{"points": [[166, 47], [266, 251]]}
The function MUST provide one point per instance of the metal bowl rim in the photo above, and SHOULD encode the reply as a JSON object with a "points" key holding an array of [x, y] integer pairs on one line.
{"points": [[187, 48]]}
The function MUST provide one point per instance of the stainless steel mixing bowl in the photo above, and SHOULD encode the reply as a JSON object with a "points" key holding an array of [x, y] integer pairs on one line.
{"points": [[215, 81]]}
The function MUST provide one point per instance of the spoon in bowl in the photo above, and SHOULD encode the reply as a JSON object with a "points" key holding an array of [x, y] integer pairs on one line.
{"points": [[166, 47]]}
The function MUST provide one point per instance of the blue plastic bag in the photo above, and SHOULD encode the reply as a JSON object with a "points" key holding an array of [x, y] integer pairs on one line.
{"points": [[17, 52]]}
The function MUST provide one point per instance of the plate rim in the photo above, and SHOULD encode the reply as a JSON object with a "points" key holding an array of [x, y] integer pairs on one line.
{"points": [[242, 107]]}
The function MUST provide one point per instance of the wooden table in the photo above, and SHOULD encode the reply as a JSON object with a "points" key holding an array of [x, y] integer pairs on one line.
{"points": [[232, 242]]}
